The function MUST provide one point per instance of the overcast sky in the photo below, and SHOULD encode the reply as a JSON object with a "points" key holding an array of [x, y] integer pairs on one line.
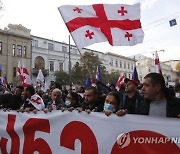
{"points": [[44, 20]]}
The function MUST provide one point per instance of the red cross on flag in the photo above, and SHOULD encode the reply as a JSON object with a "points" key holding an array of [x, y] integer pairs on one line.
{"points": [[157, 64], [37, 102], [24, 75], [118, 24], [120, 80]]}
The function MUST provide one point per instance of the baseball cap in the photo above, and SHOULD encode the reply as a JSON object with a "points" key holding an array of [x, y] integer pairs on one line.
{"points": [[135, 82]]}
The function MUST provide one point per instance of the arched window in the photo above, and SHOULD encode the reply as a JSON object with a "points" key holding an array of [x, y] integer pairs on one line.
{"points": [[39, 63]]}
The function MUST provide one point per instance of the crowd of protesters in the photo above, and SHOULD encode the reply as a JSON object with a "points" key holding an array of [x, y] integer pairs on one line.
{"points": [[151, 98]]}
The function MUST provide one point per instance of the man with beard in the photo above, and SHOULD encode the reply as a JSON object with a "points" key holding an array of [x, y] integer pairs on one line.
{"points": [[131, 100], [91, 101]]}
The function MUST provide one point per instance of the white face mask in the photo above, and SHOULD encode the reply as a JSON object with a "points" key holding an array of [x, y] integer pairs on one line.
{"points": [[67, 103], [178, 95]]}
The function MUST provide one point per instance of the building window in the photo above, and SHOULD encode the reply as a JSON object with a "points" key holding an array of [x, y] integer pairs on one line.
{"points": [[24, 51], [116, 63], [14, 49], [14, 71], [132, 66], [120, 64], [64, 49], [60, 66], [111, 62], [129, 76], [19, 51], [39, 63], [149, 70], [73, 50], [1, 48], [51, 66], [35, 43], [124, 64], [51, 46], [128, 66]]}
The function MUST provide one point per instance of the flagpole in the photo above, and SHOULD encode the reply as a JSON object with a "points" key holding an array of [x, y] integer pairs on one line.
{"points": [[69, 60], [77, 48], [82, 57]]}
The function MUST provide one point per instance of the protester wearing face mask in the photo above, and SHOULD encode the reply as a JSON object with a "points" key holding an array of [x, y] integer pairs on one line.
{"points": [[72, 100], [111, 104]]}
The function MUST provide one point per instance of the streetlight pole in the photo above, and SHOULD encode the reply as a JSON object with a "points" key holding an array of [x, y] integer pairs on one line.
{"points": [[69, 60]]}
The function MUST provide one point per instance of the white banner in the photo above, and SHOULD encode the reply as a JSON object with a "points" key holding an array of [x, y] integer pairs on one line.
{"points": [[80, 133]]}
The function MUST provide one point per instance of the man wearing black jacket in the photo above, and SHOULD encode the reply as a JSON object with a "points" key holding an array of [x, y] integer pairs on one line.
{"points": [[158, 101], [91, 100], [12, 101], [131, 100]]}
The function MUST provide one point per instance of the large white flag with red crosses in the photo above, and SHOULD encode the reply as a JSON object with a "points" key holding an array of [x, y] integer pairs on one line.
{"points": [[118, 24], [157, 64]]}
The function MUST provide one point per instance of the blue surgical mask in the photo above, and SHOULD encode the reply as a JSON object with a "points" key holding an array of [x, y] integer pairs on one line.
{"points": [[108, 106], [67, 103]]}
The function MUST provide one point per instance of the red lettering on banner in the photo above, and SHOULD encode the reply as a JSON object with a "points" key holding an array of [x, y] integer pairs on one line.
{"points": [[30, 145], [3, 144], [15, 141], [15, 144], [78, 130]]}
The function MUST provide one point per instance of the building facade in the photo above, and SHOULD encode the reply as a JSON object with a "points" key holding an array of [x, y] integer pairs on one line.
{"points": [[146, 65], [51, 56], [15, 45]]}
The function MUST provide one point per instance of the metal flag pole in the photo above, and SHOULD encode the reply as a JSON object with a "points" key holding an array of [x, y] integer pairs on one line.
{"points": [[81, 56], [78, 49], [69, 60]]}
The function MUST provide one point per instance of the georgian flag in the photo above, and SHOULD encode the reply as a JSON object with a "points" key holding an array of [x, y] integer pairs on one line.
{"points": [[19, 68], [41, 81], [118, 24], [157, 64], [24, 75], [120, 80], [37, 102]]}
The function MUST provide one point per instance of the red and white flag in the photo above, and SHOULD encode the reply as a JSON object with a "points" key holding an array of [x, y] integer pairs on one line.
{"points": [[37, 102], [119, 24], [19, 68], [157, 64], [24, 75], [120, 81], [41, 81]]}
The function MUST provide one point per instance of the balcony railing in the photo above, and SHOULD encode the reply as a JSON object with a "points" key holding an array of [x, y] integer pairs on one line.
{"points": [[44, 71]]}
